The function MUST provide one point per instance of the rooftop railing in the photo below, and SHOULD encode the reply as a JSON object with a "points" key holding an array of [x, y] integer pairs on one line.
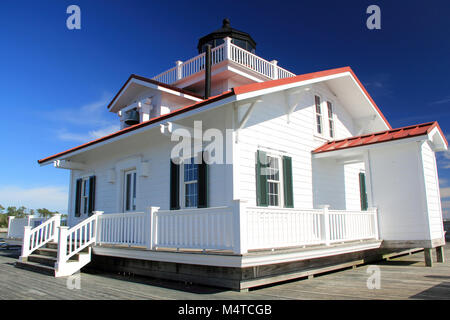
{"points": [[226, 51]]}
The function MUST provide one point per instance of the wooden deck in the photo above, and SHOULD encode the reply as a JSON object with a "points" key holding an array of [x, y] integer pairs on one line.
{"points": [[401, 278]]}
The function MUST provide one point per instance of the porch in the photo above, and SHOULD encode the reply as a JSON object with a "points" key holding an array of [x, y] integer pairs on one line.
{"points": [[236, 229]]}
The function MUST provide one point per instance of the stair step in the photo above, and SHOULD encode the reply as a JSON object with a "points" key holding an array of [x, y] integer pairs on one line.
{"points": [[47, 252], [51, 245], [45, 260], [36, 267]]}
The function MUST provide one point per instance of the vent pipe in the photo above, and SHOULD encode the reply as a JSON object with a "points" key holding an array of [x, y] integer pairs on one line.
{"points": [[208, 71]]}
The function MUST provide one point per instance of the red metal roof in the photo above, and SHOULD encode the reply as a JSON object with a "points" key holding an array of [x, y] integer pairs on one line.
{"points": [[383, 136]]}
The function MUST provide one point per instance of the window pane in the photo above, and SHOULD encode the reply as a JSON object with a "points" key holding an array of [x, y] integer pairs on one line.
{"points": [[134, 191], [128, 192], [191, 195]]}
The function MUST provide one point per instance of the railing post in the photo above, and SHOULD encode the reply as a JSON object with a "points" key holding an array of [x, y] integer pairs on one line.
{"points": [[97, 230], [25, 243], [10, 219], [239, 227], [57, 224], [227, 49], [275, 69], [28, 220], [375, 221], [151, 226], [62, 244], [179, 71], [326, 224]]}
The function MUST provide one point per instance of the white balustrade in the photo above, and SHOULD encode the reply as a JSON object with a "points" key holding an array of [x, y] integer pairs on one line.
{"points": [[34, 238], [226, 51], [77, 238], [130, 229], [282, 227], [206, 228], [352, 225]]}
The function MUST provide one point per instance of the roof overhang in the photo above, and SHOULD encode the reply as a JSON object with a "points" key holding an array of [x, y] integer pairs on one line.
{"points": [[246, 92]]}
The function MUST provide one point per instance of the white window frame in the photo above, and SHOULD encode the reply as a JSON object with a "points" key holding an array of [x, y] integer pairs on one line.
{"points": [[84, 198], [316, 115], [134, 186], [331, 123], [184, 183], [280, 180]]}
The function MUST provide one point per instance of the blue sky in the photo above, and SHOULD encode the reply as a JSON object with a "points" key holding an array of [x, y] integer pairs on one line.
{"points": [[51, 75]]}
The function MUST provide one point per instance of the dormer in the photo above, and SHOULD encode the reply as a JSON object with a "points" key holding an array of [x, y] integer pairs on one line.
{"points": [[141, 99]]}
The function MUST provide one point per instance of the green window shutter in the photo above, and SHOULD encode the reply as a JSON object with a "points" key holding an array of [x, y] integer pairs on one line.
{"points": [[363, 192], [287, 181], [91, 207], [78, 197], [262, 198], [174, 186], [202, 201]]}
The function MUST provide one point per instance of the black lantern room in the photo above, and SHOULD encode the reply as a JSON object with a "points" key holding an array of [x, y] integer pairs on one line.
{"points": [[238, 38]]}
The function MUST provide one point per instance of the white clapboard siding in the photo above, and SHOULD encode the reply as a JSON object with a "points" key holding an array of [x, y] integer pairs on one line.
{"points": [[432, 191]]}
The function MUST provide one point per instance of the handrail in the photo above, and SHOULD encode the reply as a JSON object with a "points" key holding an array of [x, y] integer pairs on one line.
{"points": [[34, 238], [77, 238]]}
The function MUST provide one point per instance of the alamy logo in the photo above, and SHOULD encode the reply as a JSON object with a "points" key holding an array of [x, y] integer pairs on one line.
{"points": [[74, 20], [374, 280], [74, 282], [374, 20]]}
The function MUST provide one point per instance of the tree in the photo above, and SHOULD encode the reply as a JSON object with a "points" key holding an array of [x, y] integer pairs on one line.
{"points": [[1, 208], [45, 213]]}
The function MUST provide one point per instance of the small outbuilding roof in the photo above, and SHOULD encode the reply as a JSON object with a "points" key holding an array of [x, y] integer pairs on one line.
{"points": [[383, 136]]}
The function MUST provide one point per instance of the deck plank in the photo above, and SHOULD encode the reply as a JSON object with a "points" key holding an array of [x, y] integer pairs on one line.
{"points": [[404, 277]]}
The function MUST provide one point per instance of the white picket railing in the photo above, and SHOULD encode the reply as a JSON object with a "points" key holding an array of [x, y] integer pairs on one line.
{"points": [[16, 225], [282, 227], [34, 238], [124, 228], [226, 51], [77, 238], [352, 225], [207, 228]]}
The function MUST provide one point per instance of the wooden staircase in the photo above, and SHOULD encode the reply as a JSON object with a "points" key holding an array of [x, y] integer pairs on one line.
{"points": [[44, 259]]}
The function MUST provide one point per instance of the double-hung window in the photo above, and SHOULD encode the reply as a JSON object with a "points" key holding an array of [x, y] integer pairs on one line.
{"points": [[318, 114], [273, 181], [130, 191], [85, 195], [190, 170], [330, 119], [274, 178]]}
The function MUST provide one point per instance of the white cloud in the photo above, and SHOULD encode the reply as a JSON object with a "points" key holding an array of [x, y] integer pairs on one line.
{"points": [[87, 122], [84, 137], [50, 197], [442, 101]]}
